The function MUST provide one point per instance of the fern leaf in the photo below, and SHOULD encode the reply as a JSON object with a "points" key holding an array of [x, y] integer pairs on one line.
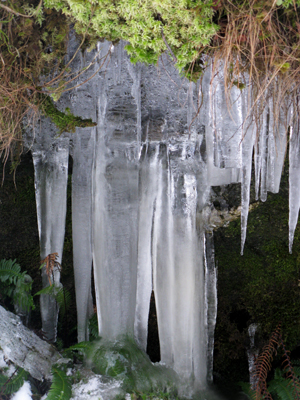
{"points": [[297, 370], [246, 388], [63, 299], [93, 327], [282, 388], [13, 384], [10, 271], [61, 388]]}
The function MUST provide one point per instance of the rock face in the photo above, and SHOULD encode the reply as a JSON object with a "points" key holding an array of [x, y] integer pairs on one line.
{"points": [[25, 349]]}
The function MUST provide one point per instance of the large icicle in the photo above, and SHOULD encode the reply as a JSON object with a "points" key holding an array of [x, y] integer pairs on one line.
{"points": [[294, 181], [83, 104], [223, 130], [83, 152], [247, 143], [116, 202], [147, 205], [51, 176], [211, 300]]}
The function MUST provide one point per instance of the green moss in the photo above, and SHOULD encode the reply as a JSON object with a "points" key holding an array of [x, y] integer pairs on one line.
{"points": [[66, 122], [262, 286]]}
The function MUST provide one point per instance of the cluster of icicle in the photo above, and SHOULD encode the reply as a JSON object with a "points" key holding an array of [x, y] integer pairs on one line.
{"points": [[141, 182]]}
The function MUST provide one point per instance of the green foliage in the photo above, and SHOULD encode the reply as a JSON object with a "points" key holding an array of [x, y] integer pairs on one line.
{"points": [[61, 388], [93, 327], [181, 27], [16, 284], [281, 387], [261, 286], [9, 385], [123, 360], [61, 295], [66, 122]]}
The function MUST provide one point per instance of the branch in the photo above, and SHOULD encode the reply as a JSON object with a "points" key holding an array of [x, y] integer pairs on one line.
{"points": [[19, 14], [168, 47]]}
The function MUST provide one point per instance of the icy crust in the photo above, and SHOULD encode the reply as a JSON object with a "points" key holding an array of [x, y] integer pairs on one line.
{"points": [[96, 387]]}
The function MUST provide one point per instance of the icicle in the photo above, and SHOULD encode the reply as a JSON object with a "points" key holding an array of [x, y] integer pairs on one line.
{"points": [[147, 206], [83, 159], [248, 139], [294, 181], [135, 73], [115, 185], [263, 142], [276, 148], [51, 176], [178, 271], [211, 299], [222, 139], [252, 354]]}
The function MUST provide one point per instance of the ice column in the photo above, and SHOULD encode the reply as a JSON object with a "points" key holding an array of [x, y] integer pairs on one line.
{"points": [[246, 150], [116, 200], [211, 299], [223, 129], [83, 152], [148, 179], [84, 104], [178, 270], [294, 181], [252, 354], [50, 158]]}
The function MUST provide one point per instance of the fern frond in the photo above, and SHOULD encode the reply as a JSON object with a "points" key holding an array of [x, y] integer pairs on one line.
{"points": [[93, 327], [61, 388], [293, 381], [12, 384], [263, 365], [63, 299], [296, 370], [282, 388], [10, 271], [82, 346], [246, 388], [61, 295]]}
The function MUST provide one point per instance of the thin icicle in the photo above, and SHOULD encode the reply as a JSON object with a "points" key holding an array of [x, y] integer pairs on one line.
{"points": [[148, 191], [249, 134], [83, 160], [211, 299], [51, 176], [294, 181]]}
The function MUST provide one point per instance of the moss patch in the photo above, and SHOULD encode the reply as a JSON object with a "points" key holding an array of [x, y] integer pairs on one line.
{"points": [[260, 287]]}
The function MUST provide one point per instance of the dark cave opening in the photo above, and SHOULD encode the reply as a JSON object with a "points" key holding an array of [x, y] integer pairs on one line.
{"points": [[153, 348]]}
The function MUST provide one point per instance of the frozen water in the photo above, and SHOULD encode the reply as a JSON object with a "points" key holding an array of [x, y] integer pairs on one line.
{"points": [[140, 192], [211, 300], [252, 354], [83, 156], [294, 181], [50, 159]]}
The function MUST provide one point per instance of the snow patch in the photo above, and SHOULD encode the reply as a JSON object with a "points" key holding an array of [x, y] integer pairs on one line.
{"points": [[24, 393]]}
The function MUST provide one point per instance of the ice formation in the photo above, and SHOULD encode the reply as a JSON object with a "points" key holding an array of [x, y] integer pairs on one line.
{"points": [[141, 182]]}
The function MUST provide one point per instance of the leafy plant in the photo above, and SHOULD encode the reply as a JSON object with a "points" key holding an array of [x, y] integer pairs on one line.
{"points": [[285, 385], [16, 284], [12, 384], [122, 359], [93, 327], [61, 387], [60, 294]]}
